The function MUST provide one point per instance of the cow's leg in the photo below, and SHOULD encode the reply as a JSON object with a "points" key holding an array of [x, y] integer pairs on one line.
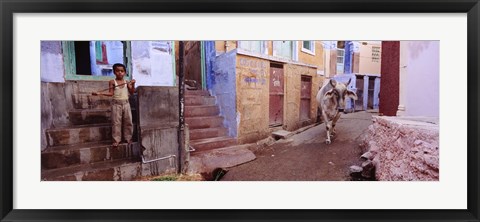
{"points": [[328, 126], [334, 122]]}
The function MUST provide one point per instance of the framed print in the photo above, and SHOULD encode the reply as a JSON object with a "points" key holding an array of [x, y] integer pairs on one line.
{"points": [[84, 51]]}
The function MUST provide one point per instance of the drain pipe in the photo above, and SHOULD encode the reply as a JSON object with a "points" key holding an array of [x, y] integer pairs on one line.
{"points": [[161, 158], [181, 103]]}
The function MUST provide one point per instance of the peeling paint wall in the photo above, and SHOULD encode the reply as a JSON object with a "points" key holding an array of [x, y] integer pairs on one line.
{"points": [[293, 74], [159, 127], [222, 83], [59, 98], [152, 63], [51, 62], [252, 98]]}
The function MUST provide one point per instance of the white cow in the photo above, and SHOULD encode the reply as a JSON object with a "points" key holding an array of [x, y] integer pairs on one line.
{"points": [[331, 101]]}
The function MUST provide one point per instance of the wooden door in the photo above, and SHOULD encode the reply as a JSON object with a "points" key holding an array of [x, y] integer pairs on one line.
{"points": [[305, 97], [276, 95]]}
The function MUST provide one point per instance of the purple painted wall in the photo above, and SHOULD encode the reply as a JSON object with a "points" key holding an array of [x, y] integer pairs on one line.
{"points": [[422, 81]]}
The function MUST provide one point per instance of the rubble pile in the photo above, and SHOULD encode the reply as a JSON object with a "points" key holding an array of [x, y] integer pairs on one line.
{"points": [[400, 149]]}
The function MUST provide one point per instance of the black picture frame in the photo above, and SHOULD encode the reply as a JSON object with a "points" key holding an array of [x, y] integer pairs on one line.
{"points": [[9, 7]]}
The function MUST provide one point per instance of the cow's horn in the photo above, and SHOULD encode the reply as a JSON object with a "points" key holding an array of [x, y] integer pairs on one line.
{"points": [[333, 82]]}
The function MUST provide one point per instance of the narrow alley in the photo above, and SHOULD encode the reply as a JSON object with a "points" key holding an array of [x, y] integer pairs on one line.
{"points": [[306, 157]]}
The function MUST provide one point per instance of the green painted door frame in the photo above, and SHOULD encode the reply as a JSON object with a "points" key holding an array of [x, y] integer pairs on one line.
{"points": [[202, 62]]}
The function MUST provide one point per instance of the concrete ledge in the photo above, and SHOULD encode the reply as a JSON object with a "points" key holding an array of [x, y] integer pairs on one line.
{"points": [[207, 161]]}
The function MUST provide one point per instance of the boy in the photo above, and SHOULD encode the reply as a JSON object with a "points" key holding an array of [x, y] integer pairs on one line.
{"points": [[119, 89]]}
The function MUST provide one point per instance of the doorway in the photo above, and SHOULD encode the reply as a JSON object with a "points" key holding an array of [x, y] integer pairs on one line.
{"points": [[276, 94]]}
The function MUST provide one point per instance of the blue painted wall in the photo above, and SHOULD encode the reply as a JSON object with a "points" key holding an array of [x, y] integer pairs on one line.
{"points": [[209, 47], [348, 57], [221, 82]]}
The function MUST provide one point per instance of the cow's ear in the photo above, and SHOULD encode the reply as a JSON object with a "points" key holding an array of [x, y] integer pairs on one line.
{"points": [[351, 94], [333, 82], [328, 94]]}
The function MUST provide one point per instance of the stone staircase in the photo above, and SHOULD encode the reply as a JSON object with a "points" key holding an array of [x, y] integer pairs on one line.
{"points": [[205, 125], [83, 151]]}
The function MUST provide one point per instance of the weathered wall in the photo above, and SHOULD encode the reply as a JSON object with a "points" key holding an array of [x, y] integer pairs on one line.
{"points": [[59, 98], [153, 63], [389, 90], [293, 74], [333, 62], [225, 46], [316, 60], [404, 148], [366, 65], [326, 69], [422, 77], [356, 62], [51, 62], [222, 83], [191, 61], [252, 98], [158, 111]]}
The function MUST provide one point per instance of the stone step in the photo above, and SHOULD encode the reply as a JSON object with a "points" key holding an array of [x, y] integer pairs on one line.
{"points": [[194, 100], [89, 116], [70, 155], [195, 111], [197, 92], [88, 101], [81, 134], [197, 134], [204, 122], [93, 116], [212, 143], [118, 170]]}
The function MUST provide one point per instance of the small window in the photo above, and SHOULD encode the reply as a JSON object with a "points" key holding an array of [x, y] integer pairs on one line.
{"points": [[283, 49], [308, 47], [340, 56], [251, 46], [93, 60]]}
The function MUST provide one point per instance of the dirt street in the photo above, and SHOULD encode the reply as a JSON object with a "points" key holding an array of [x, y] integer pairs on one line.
{"points": [[306, 157]]}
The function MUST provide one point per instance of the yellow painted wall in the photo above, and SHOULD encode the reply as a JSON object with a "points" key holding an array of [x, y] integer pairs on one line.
{"points": [[253, 95], [316, 60], [252, 98], [293, 74], [270, 48], [220, 46]]}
